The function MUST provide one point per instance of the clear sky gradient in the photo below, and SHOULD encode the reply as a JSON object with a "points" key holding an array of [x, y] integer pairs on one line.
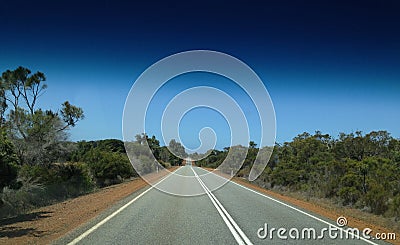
{"points": [[332, 66]]}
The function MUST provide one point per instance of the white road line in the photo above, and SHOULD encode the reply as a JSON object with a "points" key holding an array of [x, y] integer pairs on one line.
{"points": [[291, 207], [237, 233], [230, 227], [95, 227], [245, 238]]}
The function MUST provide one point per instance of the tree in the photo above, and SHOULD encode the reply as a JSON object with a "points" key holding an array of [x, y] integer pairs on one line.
{"points": [[177, 149], [234, 159], [164, 154], [8, 162], [37, 134], [3, 103], [252, 144], [70, 115], [154, 145], [377, 143], [20, 85], [141, 138], [350, 146]]}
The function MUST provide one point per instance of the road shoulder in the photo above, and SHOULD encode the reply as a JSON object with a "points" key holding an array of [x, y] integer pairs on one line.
{"points": [[46, 224]]}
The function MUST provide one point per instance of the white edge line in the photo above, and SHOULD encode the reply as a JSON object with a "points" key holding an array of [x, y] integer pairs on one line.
{"points": [[296, 209], [95, 227]]}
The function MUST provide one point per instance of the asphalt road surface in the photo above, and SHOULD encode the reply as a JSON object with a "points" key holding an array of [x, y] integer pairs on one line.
{"points": [[232, 214]]}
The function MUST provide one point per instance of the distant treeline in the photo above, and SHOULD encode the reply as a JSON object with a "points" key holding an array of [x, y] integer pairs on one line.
{"points": [[84, 167], [362, 171]]}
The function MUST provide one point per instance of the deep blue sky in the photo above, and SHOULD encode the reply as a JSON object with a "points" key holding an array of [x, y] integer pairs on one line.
{"points": [[332, 66]]}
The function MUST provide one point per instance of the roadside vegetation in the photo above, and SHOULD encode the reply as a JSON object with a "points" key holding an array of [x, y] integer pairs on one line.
{"points": [[39, 165], [356, 170]]}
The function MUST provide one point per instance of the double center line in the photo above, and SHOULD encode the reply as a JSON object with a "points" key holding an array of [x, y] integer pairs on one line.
{"points": [[237, 233]]}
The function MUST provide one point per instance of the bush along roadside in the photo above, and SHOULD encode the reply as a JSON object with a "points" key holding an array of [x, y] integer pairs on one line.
{"points": [[356, 170]]}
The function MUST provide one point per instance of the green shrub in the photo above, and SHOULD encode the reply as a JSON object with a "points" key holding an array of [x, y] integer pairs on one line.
{"points": [[23, 199], [108, 167], [74, 179], [61, 180], [8, 162], [394, 207], [165, 164], [147, 165], [349, 195], [377, 198]]}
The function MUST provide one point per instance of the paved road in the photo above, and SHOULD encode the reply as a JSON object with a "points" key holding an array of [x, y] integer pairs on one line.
{"points": [[232, 214]]}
